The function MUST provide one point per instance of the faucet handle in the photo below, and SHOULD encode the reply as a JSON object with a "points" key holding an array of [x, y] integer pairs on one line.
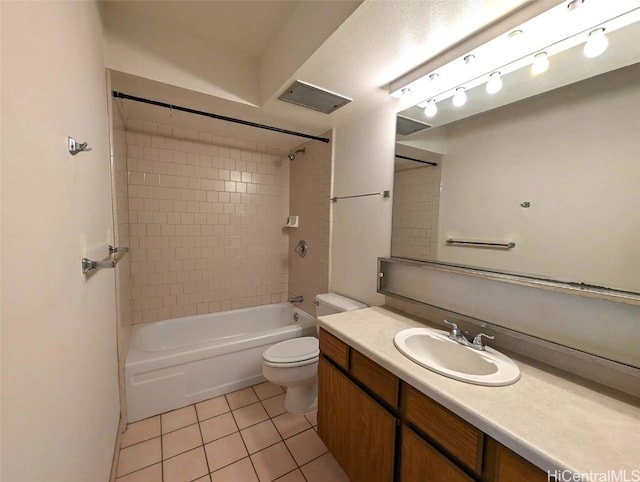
{"points": [[455, 331], [477, 340], [453, 325]]}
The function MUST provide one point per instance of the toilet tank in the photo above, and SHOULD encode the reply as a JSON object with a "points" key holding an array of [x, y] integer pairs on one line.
{"points": [[330, 303]]}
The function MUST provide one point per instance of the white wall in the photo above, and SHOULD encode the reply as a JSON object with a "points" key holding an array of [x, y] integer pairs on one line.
{"points": [[59, 369], [361, 227]]}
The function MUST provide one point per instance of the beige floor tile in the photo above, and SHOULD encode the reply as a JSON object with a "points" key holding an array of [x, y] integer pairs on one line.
{"points": [[186, 467], [150, 474], [312, 417], [139, 456], [295, 476], [241, 398], [206, 478], [178, 418], [218, 427], [324, 469], [289, 424], [249, 415], [273, 462], [267, 390], [141, 431], [225, 451], [180, 440], [274, 405], [211, 408], [240, 471], [306, 446], [260, 436]]}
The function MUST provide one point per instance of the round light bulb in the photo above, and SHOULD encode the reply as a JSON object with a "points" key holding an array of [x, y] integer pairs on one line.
{"points": [[460, 97], [597, 43], [431, 109], [540, 63], [494, 84]]}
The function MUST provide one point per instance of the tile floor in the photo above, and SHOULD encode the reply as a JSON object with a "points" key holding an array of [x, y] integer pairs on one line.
{"points": [[244, 436]]}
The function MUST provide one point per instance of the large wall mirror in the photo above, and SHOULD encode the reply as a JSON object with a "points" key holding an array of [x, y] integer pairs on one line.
{"points": [[546, 172]]}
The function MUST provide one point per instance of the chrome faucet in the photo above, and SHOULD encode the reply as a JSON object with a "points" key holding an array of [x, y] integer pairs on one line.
{"points": [[457, 336], [296, 299]]}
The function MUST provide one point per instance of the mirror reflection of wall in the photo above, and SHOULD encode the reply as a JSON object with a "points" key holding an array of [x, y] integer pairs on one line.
{"points": [[571, 153]]}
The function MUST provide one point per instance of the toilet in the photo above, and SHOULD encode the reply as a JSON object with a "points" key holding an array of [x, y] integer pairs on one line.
{"points": [[293, 363]]}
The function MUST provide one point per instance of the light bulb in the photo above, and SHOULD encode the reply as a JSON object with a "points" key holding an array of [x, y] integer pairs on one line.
{"points": [[494, 84], [540, 63], [406, 99], [596, 44], [431, 109], [460, 97]]}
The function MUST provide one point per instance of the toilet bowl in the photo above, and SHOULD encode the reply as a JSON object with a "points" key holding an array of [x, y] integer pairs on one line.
{"points": [[293, 364]]}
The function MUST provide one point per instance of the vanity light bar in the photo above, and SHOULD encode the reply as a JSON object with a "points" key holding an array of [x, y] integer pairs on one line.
{"points": [[507, 53]]}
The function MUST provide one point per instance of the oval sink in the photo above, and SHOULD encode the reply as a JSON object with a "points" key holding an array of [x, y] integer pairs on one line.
{"points": [[434, 350]]}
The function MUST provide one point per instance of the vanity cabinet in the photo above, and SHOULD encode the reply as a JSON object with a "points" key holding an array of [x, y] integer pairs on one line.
{"points": [[420, 462], [380, 428], [357, 430], [460, 440]]}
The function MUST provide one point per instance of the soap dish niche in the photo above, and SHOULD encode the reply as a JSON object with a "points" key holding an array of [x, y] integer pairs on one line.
{"points": [[292, 222]]}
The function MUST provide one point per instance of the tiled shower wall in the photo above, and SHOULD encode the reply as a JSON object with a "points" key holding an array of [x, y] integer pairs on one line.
{"points": [[416, 206], [206, 222], [310, 192]]}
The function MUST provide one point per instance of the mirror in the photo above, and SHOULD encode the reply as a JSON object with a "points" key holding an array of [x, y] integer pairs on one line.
{"points": [[556, 174]]}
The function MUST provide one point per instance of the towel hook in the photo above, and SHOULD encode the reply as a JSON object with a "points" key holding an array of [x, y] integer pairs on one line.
{"points": [[75, 146]]}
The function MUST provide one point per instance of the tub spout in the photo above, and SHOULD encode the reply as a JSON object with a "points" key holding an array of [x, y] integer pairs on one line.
{"points": [[296, 299]]}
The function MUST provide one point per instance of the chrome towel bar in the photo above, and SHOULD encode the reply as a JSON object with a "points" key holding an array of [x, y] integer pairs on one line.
{"points": [[115, 255], [482, 244], [383, 194]]}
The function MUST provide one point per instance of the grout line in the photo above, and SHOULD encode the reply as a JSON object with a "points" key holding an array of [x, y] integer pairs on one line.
{"points": [[206, 458], [255, 471], [138, 470], [161, 452]]}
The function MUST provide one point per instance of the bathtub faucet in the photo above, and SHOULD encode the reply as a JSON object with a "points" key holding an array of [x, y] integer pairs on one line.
{"points": [[296, 299]]}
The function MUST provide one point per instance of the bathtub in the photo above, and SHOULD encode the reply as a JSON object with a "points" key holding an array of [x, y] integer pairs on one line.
{"points": [[174, 363]]}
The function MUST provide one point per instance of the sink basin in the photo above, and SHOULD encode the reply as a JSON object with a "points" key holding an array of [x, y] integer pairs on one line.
{"points": [[434, 350]]}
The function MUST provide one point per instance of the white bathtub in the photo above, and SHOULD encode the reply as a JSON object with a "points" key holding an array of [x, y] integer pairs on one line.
{"points": [[173, 363]]}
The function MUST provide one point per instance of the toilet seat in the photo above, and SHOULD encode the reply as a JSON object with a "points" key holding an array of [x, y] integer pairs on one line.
{"points": [[293, 353]]}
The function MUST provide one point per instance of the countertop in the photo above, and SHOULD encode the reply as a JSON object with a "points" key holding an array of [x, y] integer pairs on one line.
{"points": [[549, 417]]}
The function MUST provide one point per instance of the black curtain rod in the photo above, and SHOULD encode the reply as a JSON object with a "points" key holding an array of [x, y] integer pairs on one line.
{"points": [[121, 95], [416, 160]]}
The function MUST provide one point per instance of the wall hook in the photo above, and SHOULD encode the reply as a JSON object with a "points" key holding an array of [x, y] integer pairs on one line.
{"points": [[75, 146]]}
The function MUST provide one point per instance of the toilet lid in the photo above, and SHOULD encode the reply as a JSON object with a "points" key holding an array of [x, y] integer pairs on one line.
{"points": [[292, 351]]}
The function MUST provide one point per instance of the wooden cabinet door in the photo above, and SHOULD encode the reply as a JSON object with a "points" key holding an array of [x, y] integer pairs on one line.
{"points": [[420, 462], [358, 432], [510, 467]]}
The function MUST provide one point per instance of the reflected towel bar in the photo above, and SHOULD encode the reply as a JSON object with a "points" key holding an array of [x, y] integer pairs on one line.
{"points": [[482, 244], [115, 255], [334, 199]]}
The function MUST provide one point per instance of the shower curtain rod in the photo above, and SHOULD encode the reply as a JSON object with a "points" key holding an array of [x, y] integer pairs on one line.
{"points": [[416, 160], [121, 95]]}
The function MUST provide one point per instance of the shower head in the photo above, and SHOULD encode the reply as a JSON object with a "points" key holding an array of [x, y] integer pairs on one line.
{"points": [[292, 155]]}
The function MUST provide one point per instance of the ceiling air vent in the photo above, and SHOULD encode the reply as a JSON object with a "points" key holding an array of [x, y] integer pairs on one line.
{"points": [[406, 126], [311, 97]]}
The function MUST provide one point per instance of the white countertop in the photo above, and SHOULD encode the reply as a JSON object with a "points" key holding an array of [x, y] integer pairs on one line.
{"points": [[554, 420]]}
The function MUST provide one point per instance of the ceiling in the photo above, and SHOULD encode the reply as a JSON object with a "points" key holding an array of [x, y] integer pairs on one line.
{"points": [[236, 57]]}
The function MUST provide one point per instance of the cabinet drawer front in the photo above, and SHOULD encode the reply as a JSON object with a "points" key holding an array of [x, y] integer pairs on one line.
{"points": [[381, 382], [458, 438], [510, 467], [358, 432], [335, 349], [420, 462]]}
